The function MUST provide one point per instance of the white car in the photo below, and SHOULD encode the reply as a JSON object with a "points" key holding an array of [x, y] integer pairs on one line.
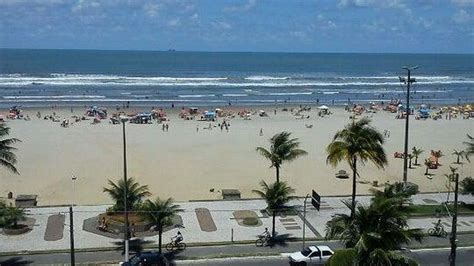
{"points": [[311, 255]]}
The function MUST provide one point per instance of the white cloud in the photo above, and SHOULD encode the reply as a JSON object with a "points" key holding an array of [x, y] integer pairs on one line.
{"points": [[462, 17], [85, 4], [151, 9], [372, 3], [35, 2], [194, 16], [174, 22], [463, 2], [246, 7], [221, 25]]}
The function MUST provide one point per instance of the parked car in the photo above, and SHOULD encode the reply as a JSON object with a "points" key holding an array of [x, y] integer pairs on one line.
{"points": [[147, 258], [311, 255]]}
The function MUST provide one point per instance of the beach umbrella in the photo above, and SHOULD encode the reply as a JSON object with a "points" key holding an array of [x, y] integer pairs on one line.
{"points": [[323, 107]]}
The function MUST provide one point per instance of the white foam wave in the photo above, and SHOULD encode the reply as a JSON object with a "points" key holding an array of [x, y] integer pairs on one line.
{"points": [[261, 78], [57, 79], [196, 95], [289, 93], [235, 95], [55, 97]]}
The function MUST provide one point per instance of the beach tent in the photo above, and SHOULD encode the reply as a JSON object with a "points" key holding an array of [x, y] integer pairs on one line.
{"points": [[209, 116], [323, 107]]}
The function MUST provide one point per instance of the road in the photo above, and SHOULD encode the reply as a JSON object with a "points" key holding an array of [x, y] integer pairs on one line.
{"points": [[465, 257], [439, 256]]}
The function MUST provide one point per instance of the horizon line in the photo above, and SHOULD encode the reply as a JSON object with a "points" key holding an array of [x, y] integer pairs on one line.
{"points": [[207, 51]]}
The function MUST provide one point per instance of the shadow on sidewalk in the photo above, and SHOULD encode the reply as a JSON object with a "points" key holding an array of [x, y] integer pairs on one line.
{"points": [[280, 240], [15, 261], [134, 245]]}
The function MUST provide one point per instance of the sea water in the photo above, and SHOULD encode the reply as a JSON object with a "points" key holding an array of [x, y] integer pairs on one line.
{"points": [[34, 78]]}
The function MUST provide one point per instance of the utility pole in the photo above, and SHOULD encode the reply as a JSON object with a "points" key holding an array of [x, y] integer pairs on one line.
{"points": [[453, 240], [408, 82], [125, 188], [304, 220], [71, 236]]}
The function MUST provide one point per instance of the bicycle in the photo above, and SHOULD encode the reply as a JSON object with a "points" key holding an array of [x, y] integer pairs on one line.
{"points": [[262, 240], [438, 231], [175, 246]]}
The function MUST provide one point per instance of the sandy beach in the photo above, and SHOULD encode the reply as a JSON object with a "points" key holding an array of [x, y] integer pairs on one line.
{"points": [[185, 164]]}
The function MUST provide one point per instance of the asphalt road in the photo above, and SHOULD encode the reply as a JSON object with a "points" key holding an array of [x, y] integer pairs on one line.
{"points": [[438, 257], [465, 257]]}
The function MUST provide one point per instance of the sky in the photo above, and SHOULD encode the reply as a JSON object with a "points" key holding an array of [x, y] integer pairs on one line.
{"points": [[395, 26]]}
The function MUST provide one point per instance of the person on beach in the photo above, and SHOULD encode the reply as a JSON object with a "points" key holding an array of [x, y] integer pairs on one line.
{"points": [[197, 128], [261, 132], [167, 127]]}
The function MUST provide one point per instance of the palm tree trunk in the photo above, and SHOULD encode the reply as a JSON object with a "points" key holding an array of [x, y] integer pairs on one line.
{"points": [[457, 161], [160, 233], [354, 175], [273, 224], [277, 173], [426, 172], [416, 160], [410, 164]]}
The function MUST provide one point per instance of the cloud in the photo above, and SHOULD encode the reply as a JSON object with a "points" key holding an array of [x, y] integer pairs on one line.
{"points": [[462, 17], [463, 2], [31, 2], [221, 25], [246, 7], [174, 22], [194, 16], [85, 4], [151, 9], [372, 3]]}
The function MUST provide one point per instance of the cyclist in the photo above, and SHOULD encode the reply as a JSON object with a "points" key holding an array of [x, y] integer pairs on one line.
{"points": [[265, 234], [178, 238], [438, 225]]}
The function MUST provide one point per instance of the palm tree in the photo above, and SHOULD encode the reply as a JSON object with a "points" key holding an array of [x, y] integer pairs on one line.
{"points": [[467, 185], [7, 157], [374, 232], [135, 193], [470, 146], [160, 213], [416, 152], [282, 149], [3, 208], [12, 216], [410, 158], [398, 191], [358, 141], [450, 178], [276, 195], [459, 155]]}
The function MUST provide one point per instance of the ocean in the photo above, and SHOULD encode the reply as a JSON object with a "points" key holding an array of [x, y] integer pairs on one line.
{"points": [[41, 78]]}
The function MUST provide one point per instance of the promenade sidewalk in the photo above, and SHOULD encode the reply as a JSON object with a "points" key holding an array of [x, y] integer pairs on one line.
{"points": [[222, 215]]}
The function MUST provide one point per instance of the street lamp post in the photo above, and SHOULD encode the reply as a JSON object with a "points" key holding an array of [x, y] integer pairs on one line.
{"points": [[304, 220], [123, 119], [71, 223], [453, 240], [408, 82]]}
